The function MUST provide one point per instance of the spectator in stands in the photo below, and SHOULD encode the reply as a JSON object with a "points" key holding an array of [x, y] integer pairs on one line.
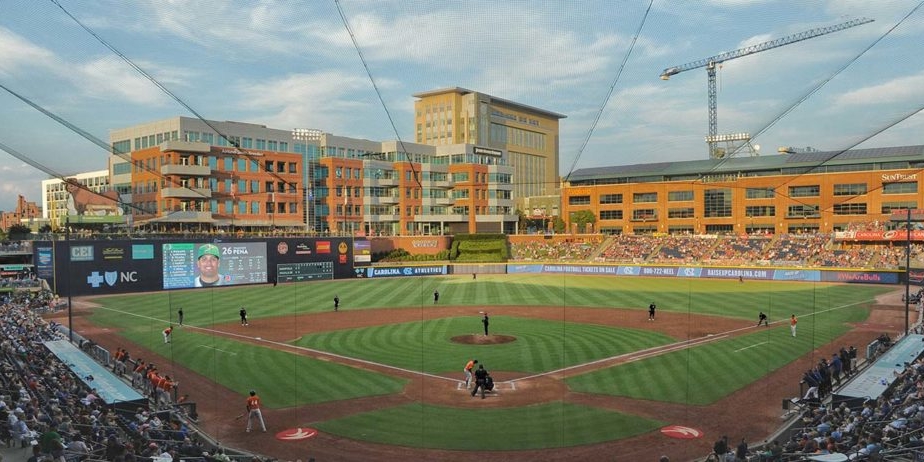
{"points": [[720, 448], [741, 452]]}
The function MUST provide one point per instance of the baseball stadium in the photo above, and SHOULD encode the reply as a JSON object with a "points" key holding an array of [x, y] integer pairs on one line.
{"points": [[583, 367], [454, 231]]}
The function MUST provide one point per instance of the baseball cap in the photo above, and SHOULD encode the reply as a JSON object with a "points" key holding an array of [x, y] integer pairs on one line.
{"points": [[208, 249]]}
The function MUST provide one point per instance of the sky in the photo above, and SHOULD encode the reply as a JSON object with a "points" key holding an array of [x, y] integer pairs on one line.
{"points": [[307, 64]]}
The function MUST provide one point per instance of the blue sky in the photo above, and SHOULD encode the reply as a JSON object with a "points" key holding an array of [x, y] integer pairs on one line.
{"points": [[290, 64]]}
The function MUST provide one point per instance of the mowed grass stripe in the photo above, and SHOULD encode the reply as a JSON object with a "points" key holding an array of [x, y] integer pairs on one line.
{"points": [[242, 367], [711, 371], [534, 427], [540, 345]]}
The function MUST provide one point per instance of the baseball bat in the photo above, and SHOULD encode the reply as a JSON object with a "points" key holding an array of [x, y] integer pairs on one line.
{"points": [[239, 417]]}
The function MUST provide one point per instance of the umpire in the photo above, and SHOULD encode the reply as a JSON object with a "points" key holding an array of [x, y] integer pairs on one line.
{"points": [[481, 378]]}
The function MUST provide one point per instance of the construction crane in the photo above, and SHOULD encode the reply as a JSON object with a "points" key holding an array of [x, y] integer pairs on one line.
{"points": [[711, 62]]}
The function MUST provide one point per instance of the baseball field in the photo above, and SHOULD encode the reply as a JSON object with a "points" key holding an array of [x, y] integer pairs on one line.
{"points": [[580, 371]]}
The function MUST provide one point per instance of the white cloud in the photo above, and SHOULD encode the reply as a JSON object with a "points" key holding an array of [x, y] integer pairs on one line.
{"points": [[228, 27], [114, 80], [324, 100], [897, 90], [19, 53]]}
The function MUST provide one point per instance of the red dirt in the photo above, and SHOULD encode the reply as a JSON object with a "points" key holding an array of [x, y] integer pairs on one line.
{"points": [[753, 412]]}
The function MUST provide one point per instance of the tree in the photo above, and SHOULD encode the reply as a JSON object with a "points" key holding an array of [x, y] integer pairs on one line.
{"points": [[522, 220], [18, 232], [581, 218], [558, 225]]}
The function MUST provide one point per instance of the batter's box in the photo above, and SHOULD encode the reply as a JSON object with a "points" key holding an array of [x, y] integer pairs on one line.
{"points": [[498, 386]]}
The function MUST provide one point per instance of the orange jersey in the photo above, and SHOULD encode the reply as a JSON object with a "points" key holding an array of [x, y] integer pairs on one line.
{"points": [[470, 365], [792, 321], [253, 402]]}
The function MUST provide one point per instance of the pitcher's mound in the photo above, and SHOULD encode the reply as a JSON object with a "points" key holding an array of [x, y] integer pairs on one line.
{"points": [[476, 339]]}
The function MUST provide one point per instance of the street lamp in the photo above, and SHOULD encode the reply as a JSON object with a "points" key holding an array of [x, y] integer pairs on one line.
{"points": [[306, 135]]}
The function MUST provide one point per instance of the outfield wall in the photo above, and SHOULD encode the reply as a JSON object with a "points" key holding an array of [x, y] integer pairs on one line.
{"points": [[703, 272], [81, 267], [97, 267]]}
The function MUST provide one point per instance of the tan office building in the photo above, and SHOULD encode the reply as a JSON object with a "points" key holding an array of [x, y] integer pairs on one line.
{"points": [[528, 134]]}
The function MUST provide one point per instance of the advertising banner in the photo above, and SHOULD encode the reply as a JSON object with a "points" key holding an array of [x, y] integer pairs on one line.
{"points": [[865, 277], [796, 275], [399, 271], [516, 269]]}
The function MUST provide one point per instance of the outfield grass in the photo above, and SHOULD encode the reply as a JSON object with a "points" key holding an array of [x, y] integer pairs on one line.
{"points": [[285, 379]]}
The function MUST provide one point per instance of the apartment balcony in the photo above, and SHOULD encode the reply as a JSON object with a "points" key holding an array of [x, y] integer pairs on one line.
{"points": [[180, 216], [380, 218], [437, 201], [186, 193], [380, 182], [448, 218], [378, 200], [185, 170]]}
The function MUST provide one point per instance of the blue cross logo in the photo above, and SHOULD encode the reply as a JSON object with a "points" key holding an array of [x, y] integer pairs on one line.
{"points": [[95, 279]]}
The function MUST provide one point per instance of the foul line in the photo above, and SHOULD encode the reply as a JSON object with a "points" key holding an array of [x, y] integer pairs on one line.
{"points": [[752, 346], [633, 356], [218, 349]]}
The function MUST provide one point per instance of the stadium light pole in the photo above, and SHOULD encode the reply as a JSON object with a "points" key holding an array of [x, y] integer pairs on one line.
{"points": [[907, 266], [70, 312]]}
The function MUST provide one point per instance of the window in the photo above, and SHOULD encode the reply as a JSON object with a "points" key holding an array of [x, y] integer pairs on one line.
{"points": [[611, 198], [760, 211], [338, 172], [899, 188], [854, 189], [889, 207], [579, 200], [644, 214], [719, 229], [759, 193], [717, 203], [247, 143], [611, 214], [679, 196], [685, 212], [849, 209], [804, 191], [802, 211], [644, 197]]}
